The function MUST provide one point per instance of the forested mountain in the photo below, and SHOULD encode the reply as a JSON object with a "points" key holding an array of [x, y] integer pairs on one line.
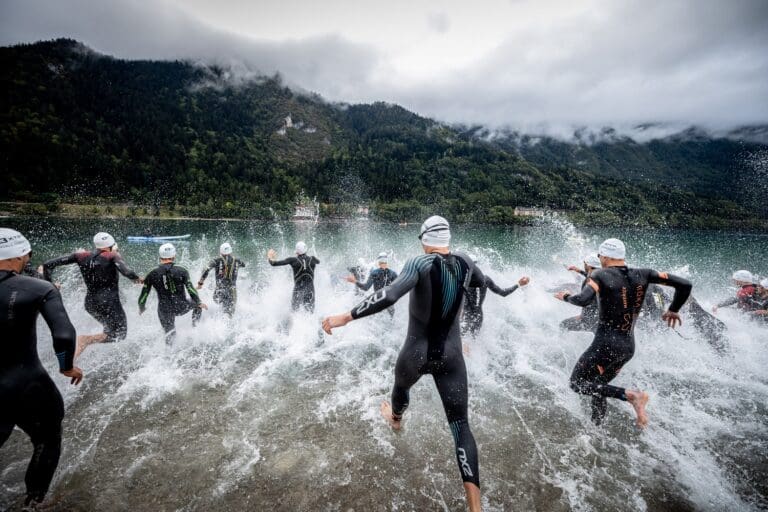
{"points": [[77, 124]]}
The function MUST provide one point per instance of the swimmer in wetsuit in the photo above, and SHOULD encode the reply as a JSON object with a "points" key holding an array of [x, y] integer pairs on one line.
{"points": [[621, 293], [761, 310], [171, 282], [472, 314], [746, 297], [587, 320], [29, 398], [226, 267], [437, 282], [303, 267], [101, 269], [378, 278]]}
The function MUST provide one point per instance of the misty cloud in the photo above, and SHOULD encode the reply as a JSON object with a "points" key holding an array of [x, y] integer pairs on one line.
{"points": [[555, 65]]}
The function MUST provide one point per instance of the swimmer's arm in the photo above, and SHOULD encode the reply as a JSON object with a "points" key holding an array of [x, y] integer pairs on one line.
{"points": [[682, 287], [49, 265], [190, 288], [280, 263], [585, 296], [144, 295], [315, 260], [62, 330], [239, 263], [499, 290], [387, 296], [204, 276], [124, 269], [728, 302], [367, 285]]}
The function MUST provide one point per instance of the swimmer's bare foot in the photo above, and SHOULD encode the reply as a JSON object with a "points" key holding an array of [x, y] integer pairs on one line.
{"points": [[88, 339], [638, 400], [386, 413]]}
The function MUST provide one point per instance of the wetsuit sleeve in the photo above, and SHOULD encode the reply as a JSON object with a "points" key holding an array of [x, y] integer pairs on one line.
{"points": [[124, 269], [240, 263], [393, 274], [682, 287], [497, 289], [62, 330], [728, 302], [586, 295], [314, 258], [367, 285], [49, 265], [30, 271], [477, 279], [190, 288], [582, 272], [144, 295], [382, 299], [211, 265], [280, 263]]}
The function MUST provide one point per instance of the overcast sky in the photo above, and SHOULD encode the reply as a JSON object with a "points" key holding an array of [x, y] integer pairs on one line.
{"points": [[531, 64]]}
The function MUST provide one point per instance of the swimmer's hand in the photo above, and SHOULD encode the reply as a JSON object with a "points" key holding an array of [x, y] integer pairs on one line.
{"points": [[671, 317], [714, 309], [271, 254], [573, 268], [40, 269], [524, 281], [332, 322], [139, 281], [76, 374], [761, 312], [202, 305], [200, 285], [351, 279], [561, 295]]}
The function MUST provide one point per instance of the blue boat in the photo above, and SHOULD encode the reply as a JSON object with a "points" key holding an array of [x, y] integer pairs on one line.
{"points": [[159, 239]]}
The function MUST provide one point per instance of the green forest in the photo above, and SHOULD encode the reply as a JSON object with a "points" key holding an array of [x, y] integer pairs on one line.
{"points": [[78, 126]]}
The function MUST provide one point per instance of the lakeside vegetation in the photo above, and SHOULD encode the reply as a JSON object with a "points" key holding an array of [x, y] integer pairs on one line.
{"points": [[86, 134]]}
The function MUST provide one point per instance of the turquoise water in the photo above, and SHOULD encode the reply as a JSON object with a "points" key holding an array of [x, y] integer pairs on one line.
{"points": [[261, 413]]}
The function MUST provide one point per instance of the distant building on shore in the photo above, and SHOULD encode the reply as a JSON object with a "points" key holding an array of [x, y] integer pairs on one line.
{"points": [[304, 212], [521, 211]]}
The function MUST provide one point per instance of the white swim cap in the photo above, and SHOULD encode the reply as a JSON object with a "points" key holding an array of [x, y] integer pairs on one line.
{"points": [[593, 261], [103, 241], [435, 232], [301, 248], [612, 248], [13, 244], [167, 251], [383, 257], [764, 283], [744, 276], [225, 249]]}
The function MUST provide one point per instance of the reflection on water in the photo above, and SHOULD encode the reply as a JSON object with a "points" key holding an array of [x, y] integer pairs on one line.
{"points": [[261, 413]]}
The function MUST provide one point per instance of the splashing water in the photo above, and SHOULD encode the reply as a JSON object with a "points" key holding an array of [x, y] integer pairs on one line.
{"points": [[262, 412]]}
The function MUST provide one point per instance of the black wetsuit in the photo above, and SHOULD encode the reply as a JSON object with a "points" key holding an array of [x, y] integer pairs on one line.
{"points": [[303, 280], [28, 396], [102, 301], [225, 293], [587, 320], [170, 281], [433, 345], [473, 303], [31, 271], [746, 299], [379, 278], [621, 293]]}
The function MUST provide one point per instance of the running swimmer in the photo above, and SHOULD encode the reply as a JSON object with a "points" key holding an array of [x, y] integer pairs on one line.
{"points": [[745, 299], [378, 278], [620, 292], [587, 320], [762, 300], [472, 315], [171, 282], [226, 267], [303, 276], [29, 398], [437, 281], [100, 269]]}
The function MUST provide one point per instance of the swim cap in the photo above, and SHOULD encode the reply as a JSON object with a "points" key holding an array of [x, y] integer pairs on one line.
{"points": [[225, 248], [744, 276], [382, 258], [167, 251], [435, 232], [301, 248], [593, 261], [13, 244], [612, 248], [764, 283], [103, 241]]}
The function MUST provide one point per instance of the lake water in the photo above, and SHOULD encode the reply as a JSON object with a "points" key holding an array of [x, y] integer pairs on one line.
{"points": [[261, 413]]}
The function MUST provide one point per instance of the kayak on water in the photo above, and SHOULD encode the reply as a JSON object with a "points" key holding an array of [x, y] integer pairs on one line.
{"points": [[156, 238]]}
